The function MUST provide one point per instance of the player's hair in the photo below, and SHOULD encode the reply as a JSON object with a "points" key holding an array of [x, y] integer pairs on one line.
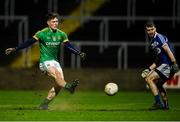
{"points": [[149, 24], [52, 15]]}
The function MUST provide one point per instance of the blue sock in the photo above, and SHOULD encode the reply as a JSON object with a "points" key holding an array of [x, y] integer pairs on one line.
{"points": [[157, 99], [165, 103]]}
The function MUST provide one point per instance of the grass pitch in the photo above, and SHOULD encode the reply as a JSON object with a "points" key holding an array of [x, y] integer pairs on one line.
{"points": [[86, 106]]}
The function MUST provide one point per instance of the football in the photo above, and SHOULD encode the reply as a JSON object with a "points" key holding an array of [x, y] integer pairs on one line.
{"points": [[111, 89]]}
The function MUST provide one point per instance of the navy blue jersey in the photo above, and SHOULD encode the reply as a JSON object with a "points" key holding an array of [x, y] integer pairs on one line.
{"points": [[157, 43]]}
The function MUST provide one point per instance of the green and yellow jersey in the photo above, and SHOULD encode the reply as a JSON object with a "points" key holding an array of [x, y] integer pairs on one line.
{"points": [[49, 43]]}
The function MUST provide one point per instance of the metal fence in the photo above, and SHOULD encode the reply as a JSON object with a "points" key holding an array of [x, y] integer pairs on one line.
{"points": [[103, 41]]}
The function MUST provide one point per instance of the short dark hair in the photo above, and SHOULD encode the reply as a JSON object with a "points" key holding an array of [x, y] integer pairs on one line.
{"points": [[149, 24], [52, 15]]}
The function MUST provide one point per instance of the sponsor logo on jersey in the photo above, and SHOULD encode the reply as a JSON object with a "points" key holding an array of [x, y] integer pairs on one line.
{"points": [[154, 45], [52, 43]]}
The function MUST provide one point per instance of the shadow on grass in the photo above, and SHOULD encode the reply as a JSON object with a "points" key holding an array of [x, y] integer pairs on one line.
{"points": [[18, 108], [125, 110]]}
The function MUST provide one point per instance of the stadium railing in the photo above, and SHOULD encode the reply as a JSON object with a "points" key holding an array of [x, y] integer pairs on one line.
{"points": [[23, 28], [104, 40]]}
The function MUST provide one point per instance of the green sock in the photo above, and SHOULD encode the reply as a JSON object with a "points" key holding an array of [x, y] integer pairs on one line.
{"points": [[67, 86], [46, 102]]}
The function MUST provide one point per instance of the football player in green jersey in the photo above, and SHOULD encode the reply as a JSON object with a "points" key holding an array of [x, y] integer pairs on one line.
{"points": [[50, 39]]}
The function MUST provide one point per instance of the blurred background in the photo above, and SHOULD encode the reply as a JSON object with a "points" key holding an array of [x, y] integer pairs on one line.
{"points": [[111, 32]]}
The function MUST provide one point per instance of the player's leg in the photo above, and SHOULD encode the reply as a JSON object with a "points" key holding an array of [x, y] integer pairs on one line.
{"points": [[50, 70], [51, 95], [70, 86], [59, 79], [164, 72], [163, 94], [54, 70], [150, 80]]}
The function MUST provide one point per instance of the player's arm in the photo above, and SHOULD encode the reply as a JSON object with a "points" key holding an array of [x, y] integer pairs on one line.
{"points": [[147, 71], [169, 52], [74, 50], [23, 45], [171, 56], [152, 67]]}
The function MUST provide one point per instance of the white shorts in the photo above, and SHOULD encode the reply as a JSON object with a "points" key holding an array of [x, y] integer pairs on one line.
{"points": [[46, 64], [164, 69]]}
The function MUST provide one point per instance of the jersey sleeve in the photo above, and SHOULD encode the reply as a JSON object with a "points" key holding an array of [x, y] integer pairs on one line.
{"points": [[163, 40], [38, 35], [65, 37]]}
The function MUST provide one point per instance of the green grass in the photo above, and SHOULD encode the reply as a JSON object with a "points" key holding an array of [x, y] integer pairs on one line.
{"points": [[86, 106]]}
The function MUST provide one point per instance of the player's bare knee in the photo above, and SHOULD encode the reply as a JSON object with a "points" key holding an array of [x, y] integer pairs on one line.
{"points": [[52, 72], [59, 80], [149, 80], [58, 75], [146, 79]]}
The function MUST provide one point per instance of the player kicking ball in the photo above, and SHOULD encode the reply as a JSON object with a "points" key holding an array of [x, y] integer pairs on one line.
{"points": [[50, 39], [163, 68]]}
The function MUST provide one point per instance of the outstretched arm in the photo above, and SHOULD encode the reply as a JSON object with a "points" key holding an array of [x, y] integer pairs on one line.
{"points": [[21, 46], [74, 50]]}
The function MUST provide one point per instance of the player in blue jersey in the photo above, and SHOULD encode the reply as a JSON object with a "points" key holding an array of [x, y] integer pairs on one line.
{"points": [[50, 38], [163, 67]]}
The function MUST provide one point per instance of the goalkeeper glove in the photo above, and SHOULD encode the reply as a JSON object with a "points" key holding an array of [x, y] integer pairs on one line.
{"points": [[10, 50], [145, 73], [174, 67], [82, 55]]}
